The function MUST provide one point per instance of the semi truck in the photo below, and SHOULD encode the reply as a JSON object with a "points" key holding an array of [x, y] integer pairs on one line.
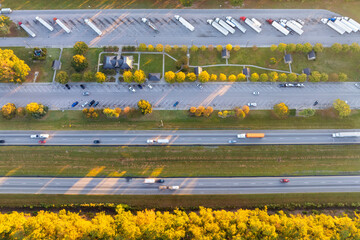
{"points": [[184, 22], [93, 27], [299, 25], [150, 24], [251, 135], [333, 26], [257, 23], [6, 11], [44, 23], [218, 27], [251, 24], [160, 140], [26, 29], [62, 25], [346, 134], [236, 23], [277, 26], [225, 25], [294, 27]]}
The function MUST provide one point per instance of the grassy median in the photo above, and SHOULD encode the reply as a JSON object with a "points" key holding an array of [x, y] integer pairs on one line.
{"points": [[180, 161]]}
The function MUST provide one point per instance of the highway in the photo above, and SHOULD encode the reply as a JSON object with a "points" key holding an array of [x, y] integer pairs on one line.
{"points": [[123, 186], [180, 138]]}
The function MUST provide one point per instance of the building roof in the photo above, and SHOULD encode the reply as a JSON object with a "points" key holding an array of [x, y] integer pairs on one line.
{"points": [[122, 62], [126, 62], [225, 53], [197, 70], [288, 58], [311, 55], [154, 76], [246, 72], [307, 71], [56, 65]]}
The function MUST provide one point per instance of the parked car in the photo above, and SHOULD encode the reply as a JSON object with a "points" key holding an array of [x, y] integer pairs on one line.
{"points": [[67, 86], [232, 141], [131, 89], [86, 93], [91, 103], [74, 104], [316, 103], [160, 180], [140, 86], [149, 86], [176, 103], [96, 141], [199, 85], [299, 85], [85, 104], [97, 103], [289, 85], [357, 85], [282, 85], [2, 141], [82, 86], [253, 104], [256, 93], [284, 180]]}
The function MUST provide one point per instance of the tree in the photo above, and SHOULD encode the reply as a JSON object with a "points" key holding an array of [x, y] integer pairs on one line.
{"points": [[208, 111], [180, 77], [342, 108], [62, 77], [229, 47], [191, 77], [203, 48], [246, 109], [145, 107], [232, 78], [204, 76], [281, 110], [186, 3], [336, 47], [240, 113], [299, 47], [282, 77], [159, 47], [213, 77], [90, 113], [219, 48], [192, 110], [236, 48], [292, 77], [342, 77], [170, 77], [89, 76], [8, 111], [254, 77], [273, 76], [345, 48], [355, 48], [12, 69], [36, 110], [150, 48], [100, 77], [264, 77], [309, 112], [318, 47], [222, 77], [291, 47], [194, 48], [315, 76], [241, 77], [5, 23], [79, 63], [324, 77], [142, 47], [211, 47], [112, 113], [307, 47], [273, 48], [167, 48], [184, 48], [80, 48], [128, 76], [139, 76], [302, 77], [281, 47], [199, 111]]}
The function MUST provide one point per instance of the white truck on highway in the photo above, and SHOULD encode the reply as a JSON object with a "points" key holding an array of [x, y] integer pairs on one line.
{"points": [[218, 27], [169, 187], [251, 24], [184, 22], [236, 23], [278, 26], [160, 141], [346, 134], [39, 136]]}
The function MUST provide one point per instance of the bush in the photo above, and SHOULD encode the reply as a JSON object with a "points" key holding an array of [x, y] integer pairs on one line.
{"points": [[186, 3], [36, 110], [79, 63], [159, 48], [39, 53], [109, 72], [342, 77], [8, 111], [170, 77], [307, 112], [89, 76], [62, 77], [194, 48], [336, 47], [111, 48], [129, 48], [254, 77], [142, 47], [80, 48], [100, 77], [232, 78], [237, 2], [76, 77], [145, 107]]}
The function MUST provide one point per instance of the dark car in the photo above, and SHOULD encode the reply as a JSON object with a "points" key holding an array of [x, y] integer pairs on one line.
{"points": [[176, 103], [282, 85], [160, 180], [91, 103], [96, 141], [2, 141], [141, 87], [316, 103], [82, 86], [74, 104], [97, 103], [67, 86]]}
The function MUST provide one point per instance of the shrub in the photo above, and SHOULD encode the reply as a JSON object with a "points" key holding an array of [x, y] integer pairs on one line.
{"points": [[186, 3], [291, 47], [237, 2], [345, 48], [145, 107], [89, 76], [62, 77], [219, 48], [80, 48], [336, 47], [194, 48], [142, 47], [204, 76], [318, 48], [315, 76], [191, 77], [128, 76], [203, 48], [324, 77], [302, 77], [150, 48], [184, 48], [8, 111], [159, 47], [292, 77], [241, 77], [264, 77], [254, 77], [273, 48], [213, 77], [232, 78], [112, 48], [282, 77], [229, 47], [307, 112], [281, 47], [180, 77], [167, 48], [36, 110], [76, 77], [100, 77], [307, 47], [169, 77], [236, 48], [342, 77], [273, 76], [222, 77]]}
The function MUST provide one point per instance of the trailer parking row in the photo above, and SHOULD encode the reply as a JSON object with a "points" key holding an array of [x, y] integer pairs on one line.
{"points": [[342, 25]]}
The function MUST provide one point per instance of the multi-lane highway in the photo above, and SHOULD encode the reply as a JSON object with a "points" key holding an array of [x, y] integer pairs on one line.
{"points": [[186, 185], [194, 137]]}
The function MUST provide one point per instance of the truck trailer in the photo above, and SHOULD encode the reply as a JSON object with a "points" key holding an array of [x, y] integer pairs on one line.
{"points": [[62, 25], [251, 135], [225, 25], [184, 22], [277, 26], [251, 24], [44, 23], [343, 26], [26, 29], [6, 11], [294, 27], [150, 24], [236, 23], [333, 26], [346, 134], [353, 22], [218, 27], [349, 25], [93, 27]]}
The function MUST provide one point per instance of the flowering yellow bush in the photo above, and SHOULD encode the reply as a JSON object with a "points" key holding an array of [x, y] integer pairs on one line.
{"points": [[36, 110]]}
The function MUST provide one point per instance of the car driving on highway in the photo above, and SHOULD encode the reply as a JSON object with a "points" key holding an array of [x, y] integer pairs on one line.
{"points": [[39, 136], [284, 180]]}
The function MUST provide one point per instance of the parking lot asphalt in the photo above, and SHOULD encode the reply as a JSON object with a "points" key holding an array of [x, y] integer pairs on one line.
{"points": [[124, 27], [163, 96]]}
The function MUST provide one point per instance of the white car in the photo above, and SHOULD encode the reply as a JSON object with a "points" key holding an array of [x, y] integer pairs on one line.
{"points": [[252, 104], [149, 86], [85, 104], [173, 187], [39, 136], [357, 85], [256, 93], [150, 141], [131, 89]]}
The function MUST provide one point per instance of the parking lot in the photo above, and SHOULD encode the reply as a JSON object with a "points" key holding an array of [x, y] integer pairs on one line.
{"points": [[124, 27]]}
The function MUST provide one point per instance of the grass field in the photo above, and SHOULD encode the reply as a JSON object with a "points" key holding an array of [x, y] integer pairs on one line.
{"points": [[151, 63], [170, 202], [180, 161], [260, 119]]}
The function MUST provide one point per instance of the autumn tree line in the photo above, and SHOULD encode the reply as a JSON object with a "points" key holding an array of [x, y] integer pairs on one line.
{"points": [[34, 110], [204, 224]]}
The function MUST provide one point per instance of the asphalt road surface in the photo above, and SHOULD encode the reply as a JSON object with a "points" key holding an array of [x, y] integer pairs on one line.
{"points": [[220, 96], [119, 186], [194, 137], [124, 27]]}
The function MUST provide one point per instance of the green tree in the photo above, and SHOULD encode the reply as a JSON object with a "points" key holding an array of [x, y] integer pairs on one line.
{"points": [[346, 48], [204, 76], [354, 47], [191, 77], [142, 47], [291, 47], [180, 77], [281, 47], [80, 48], [315, 76], [342, 108], [336, 47], [273, 76], [184, 48], [145, 107], [324, 77], [79, 63], [264, 77], [167, 48], [186, 3], [128, 76], [307, 47], [309, 112], [282, 77], [299, 47], [292, 77], [281, 110], [194, 48], [62, 77], [169, 77], [302, 77], [273, 48], [100, 77], [139, 76], [343, 77], [89, 76], [318, 48], [254, 77]]}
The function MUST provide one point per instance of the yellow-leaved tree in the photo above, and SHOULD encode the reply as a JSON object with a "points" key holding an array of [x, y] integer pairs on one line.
{"points": [[12, 69], [36, 110], [281, 110], [145, 107], [8, 111]]}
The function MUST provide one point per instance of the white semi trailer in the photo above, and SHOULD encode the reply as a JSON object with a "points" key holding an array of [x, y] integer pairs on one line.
{"points": [[184, 22], [225, 25], [333, 26], [236, 23], [346, 134], [150, 24], [277, 26], [353, 22], [343, 26], [294, 27], [354, 28], [26, 29], [251, 24], [44, 23], [62, 25], [218, 27], [6, 11], [93, 27]]}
